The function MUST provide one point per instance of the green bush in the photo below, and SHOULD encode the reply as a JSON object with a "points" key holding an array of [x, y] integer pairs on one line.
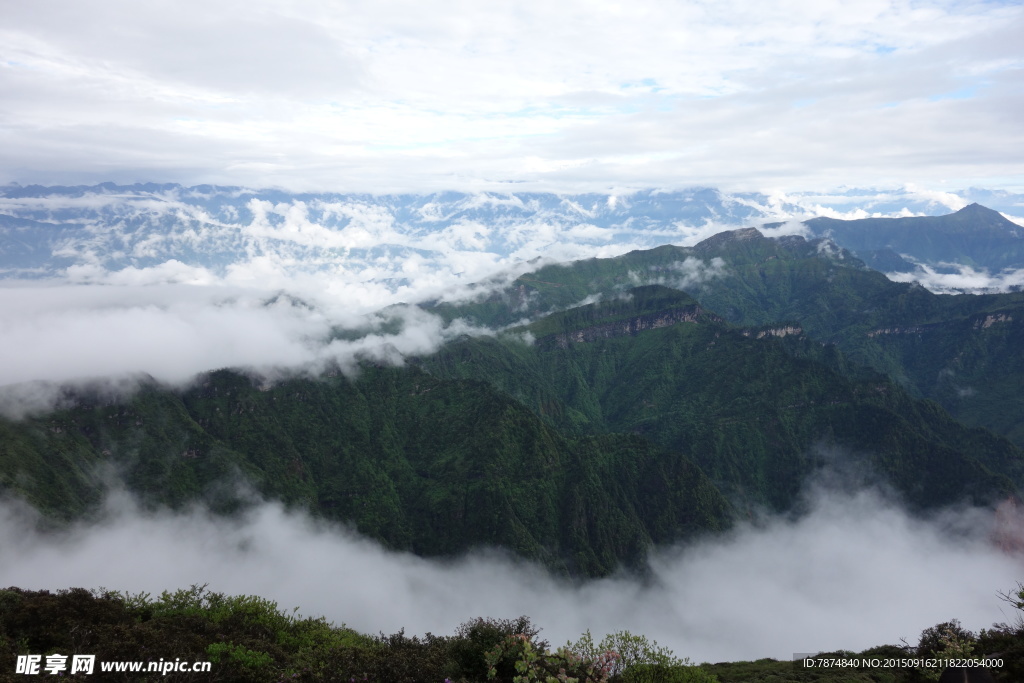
{"points": [[661, 673], [477, 637]]}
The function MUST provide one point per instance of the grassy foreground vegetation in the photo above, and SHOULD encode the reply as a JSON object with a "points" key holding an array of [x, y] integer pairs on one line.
{"points": [[248, 638]]}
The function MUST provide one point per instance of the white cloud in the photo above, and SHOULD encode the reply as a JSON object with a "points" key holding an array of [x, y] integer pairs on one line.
{"points": [[853, 573], [107, 335], [1019, 220], [964, 279], [171, 342], [947, 200], [691, 272], [790, 227], [168, 272]]}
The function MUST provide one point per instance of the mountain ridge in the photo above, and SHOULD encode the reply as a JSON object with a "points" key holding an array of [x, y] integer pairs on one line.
{"points": [[833, 297], [973, 236]]}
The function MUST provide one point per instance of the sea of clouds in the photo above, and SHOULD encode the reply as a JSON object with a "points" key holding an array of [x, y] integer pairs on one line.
{"points": [[853, 572]]}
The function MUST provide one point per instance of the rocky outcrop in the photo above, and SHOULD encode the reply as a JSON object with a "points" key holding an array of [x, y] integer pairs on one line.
{"points": [[992, 319], [628, 326], [979, 324], [910, 329], [783, 331]]}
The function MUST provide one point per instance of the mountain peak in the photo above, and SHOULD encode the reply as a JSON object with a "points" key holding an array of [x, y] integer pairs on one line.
{"points": [[976, 209], [730, 237], [975, 218]]}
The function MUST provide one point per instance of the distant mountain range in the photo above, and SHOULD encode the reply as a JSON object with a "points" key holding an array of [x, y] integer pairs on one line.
{"points": [[973, 236], [87, 232]]}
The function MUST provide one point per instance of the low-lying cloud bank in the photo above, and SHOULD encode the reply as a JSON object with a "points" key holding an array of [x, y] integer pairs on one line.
{"points": [[104, 337], [954, 278], [854, 572]]}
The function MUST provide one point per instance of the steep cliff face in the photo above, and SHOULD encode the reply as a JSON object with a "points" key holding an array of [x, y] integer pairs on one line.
{"points": [[777, 331], [909, 329], [629, 326], [992, 319], [982, 322]]}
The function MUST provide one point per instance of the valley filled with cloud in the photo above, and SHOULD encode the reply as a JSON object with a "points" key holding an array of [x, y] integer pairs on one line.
{"points": [[854, 572]]}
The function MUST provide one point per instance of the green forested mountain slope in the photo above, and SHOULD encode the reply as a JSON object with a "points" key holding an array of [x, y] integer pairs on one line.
{"points": [[424, 464], [758, 408], [961, 350]]}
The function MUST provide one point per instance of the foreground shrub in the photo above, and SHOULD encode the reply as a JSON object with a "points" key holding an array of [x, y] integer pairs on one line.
{"points": [[639, 660], [475, 639], [663, 673], [533, 664]]}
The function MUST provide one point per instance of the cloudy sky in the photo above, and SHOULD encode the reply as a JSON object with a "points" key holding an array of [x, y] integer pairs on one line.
{"points": [[400, 95]]}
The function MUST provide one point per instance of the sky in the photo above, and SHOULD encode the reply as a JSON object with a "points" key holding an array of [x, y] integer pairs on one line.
{"points": [[398, 95]]}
